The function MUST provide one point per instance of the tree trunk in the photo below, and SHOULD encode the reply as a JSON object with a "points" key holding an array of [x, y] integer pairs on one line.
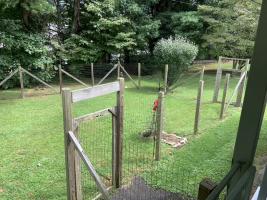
{"points": [[76, 17], [25, 14]]}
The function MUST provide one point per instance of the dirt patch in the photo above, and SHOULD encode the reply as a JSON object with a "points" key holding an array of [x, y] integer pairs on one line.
{"points": [[138, 189], [173, 140]]}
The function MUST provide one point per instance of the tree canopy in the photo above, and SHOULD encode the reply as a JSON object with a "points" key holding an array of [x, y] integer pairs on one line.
{"points": [[37, 34]]}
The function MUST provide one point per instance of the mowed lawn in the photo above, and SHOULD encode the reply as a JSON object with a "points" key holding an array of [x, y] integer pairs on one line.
{"points": [[32, 147]]}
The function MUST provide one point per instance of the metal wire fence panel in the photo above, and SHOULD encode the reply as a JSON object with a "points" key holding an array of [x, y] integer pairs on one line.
{"points": [[96, 139], [142, 177]]}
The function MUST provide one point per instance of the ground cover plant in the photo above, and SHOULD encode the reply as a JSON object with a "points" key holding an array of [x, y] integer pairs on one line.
{"points": [[31, 136]]}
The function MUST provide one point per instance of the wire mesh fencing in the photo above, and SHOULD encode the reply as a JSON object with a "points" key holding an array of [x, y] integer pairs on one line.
{"points": [[142, 176]]}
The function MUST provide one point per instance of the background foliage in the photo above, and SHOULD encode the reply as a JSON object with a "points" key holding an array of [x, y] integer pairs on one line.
{"points": [[38, 34]]}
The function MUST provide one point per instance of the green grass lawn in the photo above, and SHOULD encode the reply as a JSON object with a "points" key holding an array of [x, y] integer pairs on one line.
{"points": [[31, 136]]}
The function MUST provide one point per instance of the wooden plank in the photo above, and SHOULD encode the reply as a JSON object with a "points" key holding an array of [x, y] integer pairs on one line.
{"points": [[92, 92], [139, 75], [114, 131], [41, 81], [202, 73], [240, 90], [198, 106], [100, 185], [235, 91], [159, 119], [9, 76], [92, 74], [69, 147], [73, 77], [21, 81], [166, 78], [118, 70], [119, 134], [110, 71], [216, 192], [218, 81], [129, 76], [228, 58], [240, 187], [60, 78], [78, 169], [226, 86], [94, 115]]}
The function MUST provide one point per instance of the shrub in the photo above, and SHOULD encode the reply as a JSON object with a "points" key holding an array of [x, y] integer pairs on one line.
{"points": [[178, 52]]}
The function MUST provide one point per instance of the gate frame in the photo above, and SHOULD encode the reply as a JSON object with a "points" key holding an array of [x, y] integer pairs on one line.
{"points": [[72, 153]]}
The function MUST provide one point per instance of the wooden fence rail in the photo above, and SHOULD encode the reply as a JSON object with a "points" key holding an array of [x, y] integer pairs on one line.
{"points": [[9, 77], [239, 86], [89, 166]]}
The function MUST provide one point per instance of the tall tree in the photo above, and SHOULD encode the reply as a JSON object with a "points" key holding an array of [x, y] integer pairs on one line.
{"points": [[230, 27], [23, 38], [76, 16]]}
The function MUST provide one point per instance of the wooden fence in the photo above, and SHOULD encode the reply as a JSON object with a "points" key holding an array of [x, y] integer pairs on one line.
{"points": [[220, 70], [21, 71]]}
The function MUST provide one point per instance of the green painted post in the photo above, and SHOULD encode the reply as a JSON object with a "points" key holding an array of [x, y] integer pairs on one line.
{"points": [[254, 104]]}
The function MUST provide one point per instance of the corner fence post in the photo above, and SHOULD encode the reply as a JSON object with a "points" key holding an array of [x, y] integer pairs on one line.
{"points": [[166, 78], [226, 86], [21, 82], [69, 147], [218, 81], [139, 75], [92, 74], [159, 127], [60, 78], [198, 106], [119, 135]]}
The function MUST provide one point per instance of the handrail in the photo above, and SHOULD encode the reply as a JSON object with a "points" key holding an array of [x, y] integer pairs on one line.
{"points": [[216, 192], [243, 181]]}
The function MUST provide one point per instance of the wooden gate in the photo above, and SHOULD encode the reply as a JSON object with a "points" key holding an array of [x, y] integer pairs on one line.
{"points": [[74, 152]]}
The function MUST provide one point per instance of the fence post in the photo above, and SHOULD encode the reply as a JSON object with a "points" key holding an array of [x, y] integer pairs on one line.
{"points": [[119, 134], [69, 147], [114, 131], [92, 74], [198, 106], [218, 81], [166, 78], [202, 73], [139, 75], [21, 82], [226, 86], [241, 89], [78, 169], [159, 128], [119, 70], [60, 78]]}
